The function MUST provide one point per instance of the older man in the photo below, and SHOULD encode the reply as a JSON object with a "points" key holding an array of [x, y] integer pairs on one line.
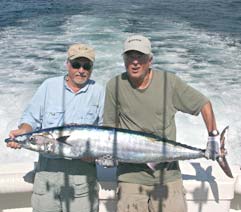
{"points": [[147, 100], [63, 185]]}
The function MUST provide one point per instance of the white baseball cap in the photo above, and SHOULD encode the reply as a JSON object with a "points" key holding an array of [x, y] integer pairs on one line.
{"points": [[137, 43]]}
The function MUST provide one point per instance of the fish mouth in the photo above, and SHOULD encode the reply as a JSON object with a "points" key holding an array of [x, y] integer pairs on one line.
{"points": [[20, 139]]}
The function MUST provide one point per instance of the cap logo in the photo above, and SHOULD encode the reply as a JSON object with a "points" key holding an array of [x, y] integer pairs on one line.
{"points": [[81, 50], [134, 40]]}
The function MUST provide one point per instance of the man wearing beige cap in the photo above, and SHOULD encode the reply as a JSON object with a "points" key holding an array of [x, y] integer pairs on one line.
{"points": [[63, 185], [147, 100]]}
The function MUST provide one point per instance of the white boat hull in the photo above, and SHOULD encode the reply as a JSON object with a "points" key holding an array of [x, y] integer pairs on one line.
{"points": [[209, 190]]}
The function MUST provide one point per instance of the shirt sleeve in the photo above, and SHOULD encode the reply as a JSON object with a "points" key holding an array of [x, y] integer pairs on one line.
{"points": [[187, 99], [111, 105], [101, 107], [33, 114]]}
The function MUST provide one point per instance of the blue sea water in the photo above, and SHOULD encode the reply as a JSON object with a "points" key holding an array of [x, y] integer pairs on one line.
{"points": [[200, 40]]}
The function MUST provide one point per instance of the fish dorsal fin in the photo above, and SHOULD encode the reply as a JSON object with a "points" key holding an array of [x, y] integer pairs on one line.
{"points": [[62, 139]]}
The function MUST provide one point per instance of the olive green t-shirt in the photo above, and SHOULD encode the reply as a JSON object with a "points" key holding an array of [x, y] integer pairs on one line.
{"points": [[150, 110]]}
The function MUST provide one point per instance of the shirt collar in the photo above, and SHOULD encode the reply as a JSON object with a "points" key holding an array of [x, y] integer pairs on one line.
{"points": [[82, 90]]}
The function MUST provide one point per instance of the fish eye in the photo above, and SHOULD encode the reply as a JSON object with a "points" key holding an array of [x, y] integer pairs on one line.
{"points": [[32, 139]]}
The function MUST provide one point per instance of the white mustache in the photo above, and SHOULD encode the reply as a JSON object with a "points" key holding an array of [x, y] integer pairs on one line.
{"points": [[80, 74]]}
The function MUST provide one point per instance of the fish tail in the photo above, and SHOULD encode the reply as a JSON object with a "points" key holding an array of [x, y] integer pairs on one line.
{"points": [[221, 159]]}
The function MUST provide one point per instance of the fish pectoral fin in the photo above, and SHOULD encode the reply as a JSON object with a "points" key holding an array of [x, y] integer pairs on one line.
{"points": [[106, 161], [62, 139], [152, 166]]}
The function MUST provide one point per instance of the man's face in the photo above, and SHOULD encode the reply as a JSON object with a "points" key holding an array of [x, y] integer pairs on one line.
{"points": [[79, 71], [137, 64]]}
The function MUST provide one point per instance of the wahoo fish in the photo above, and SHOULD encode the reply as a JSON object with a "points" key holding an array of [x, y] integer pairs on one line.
{"points": [[114, 144]]}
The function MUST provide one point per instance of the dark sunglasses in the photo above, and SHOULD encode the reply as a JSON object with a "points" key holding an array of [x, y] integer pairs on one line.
{"points": [[77, 65], [134, 55]]}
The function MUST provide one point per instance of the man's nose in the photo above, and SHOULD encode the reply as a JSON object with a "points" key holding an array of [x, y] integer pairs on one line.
{"points": [[81, 70], [135, 61]]}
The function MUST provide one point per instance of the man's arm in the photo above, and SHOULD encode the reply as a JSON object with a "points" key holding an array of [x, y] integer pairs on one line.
{"points": [[212, 150], [208, 117], [31, 117]]}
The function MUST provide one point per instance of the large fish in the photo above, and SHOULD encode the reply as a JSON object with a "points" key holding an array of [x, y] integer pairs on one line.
{"points": [[79, 141]]}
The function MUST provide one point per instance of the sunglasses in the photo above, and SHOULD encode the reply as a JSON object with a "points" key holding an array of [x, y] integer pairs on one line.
{"points": [[133, 55], [77, 65]]}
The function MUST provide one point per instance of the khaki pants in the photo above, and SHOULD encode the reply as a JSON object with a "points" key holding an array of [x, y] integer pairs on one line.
{"points": [[158, 198], [64, 186]]}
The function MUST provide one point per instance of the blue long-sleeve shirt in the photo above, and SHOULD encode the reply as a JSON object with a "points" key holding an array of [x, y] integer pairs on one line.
{"points": [[55, 104]]}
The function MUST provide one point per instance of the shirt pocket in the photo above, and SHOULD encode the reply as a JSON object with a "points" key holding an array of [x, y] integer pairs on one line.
{"points": [[53, 117], [90, 115]]}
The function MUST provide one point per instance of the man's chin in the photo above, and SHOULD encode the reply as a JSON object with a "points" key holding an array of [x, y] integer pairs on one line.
{"points": [[134, 75], [80, 82]]}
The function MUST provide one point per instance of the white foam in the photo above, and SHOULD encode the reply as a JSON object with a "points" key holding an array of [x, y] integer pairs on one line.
{"points": [[206, 61]]}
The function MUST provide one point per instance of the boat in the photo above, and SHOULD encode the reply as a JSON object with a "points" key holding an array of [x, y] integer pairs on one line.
{"points": [[207, 187]]}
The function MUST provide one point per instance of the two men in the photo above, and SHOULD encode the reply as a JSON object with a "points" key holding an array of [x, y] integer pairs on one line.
{"points": [[147, 100], [139, 99], [60, 184]]}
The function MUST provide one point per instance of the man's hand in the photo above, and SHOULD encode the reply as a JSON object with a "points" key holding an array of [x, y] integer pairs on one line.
{"points": [[213, 149], [13, 134], [23, 128], [106, 162]]}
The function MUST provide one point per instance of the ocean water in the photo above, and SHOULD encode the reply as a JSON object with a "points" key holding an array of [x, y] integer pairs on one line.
{"points": [[200, 40]]}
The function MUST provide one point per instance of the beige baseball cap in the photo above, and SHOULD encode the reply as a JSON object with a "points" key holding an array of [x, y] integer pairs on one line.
{"points": [[81, 50], [138, 43]]}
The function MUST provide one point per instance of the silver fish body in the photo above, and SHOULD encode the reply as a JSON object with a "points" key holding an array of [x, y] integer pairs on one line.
{"points": [[121, 145], [113, 144]]}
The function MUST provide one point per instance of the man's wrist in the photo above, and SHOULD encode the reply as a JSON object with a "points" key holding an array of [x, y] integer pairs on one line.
{"points": [[213, 133]]}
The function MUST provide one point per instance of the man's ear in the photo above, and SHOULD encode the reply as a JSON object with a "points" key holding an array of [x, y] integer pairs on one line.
{"points": [[67, 64], [150, 60]]}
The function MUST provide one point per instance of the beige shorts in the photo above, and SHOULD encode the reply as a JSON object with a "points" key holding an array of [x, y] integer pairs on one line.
{"points": [[158, 198], [64, 186]]}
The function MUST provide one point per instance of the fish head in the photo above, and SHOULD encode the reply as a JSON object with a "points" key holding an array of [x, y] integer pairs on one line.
{"points": [[20, 139], [41, 143], [35, 142]]}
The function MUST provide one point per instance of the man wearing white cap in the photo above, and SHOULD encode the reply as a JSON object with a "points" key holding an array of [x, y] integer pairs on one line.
{"points": [[147, 100], [63, 185]]}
